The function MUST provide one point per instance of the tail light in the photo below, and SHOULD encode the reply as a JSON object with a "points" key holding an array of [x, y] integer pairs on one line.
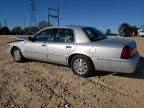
{"points": [[127, 52]]}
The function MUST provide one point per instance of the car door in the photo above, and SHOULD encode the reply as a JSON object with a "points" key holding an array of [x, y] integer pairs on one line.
{"points": [[37, 49], [60, 45]]}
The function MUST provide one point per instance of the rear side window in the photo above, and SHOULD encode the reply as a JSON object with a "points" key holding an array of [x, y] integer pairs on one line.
{"points": [[62, 36], [93, 33]]}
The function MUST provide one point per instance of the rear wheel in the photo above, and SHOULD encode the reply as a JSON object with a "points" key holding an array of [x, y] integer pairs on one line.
{"points": [[81, 65], [17, 55]]}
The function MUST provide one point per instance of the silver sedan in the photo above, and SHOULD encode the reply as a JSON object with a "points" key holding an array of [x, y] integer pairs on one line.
{"points": [[84, 49]]}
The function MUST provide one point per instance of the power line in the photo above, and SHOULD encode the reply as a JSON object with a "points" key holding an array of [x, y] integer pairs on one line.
{"points": [[33, 19], [52, 15]]}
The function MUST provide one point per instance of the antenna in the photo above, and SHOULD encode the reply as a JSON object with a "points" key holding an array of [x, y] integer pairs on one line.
{"points": [[33, 20]]}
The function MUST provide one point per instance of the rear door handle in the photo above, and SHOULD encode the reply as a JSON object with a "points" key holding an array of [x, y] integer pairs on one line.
{"points": [[68, 46], [43, 45]]}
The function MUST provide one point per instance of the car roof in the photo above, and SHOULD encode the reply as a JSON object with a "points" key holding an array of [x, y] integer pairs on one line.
{"points": [[67, 26]]}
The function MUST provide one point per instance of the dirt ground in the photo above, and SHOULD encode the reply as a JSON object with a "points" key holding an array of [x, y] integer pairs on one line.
{"points": [[41, 85]]}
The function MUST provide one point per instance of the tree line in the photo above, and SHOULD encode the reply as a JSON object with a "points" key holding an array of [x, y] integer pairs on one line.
{"points": [[124, 29], [18, 30]]}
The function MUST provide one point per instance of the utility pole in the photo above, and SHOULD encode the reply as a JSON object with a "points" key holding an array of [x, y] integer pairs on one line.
{"points": [[52, 15], [58, 13], [33, 20]]}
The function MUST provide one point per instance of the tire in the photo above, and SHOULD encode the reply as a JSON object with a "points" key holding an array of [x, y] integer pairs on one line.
{"points": [[17, 55], [81, 65]]}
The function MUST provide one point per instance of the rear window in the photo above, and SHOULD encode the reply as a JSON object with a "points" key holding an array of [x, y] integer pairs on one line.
{"points": [[93, 34]]}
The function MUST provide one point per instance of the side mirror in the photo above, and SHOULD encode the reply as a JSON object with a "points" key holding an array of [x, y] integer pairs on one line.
{"points": [[31, 39]]}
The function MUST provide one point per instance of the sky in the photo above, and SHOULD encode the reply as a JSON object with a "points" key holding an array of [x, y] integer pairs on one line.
{"points": [[101, 14]]}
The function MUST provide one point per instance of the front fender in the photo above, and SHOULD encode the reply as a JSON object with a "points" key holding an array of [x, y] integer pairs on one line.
{"points": [[19, 44]]}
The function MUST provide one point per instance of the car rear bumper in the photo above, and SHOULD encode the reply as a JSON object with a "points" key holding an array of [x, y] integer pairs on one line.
{"points": [[122, 65]]}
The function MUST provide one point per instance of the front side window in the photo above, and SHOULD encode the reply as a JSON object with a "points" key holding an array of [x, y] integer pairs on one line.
{"points": [[42, 36], [62, 36], [93, 33]]}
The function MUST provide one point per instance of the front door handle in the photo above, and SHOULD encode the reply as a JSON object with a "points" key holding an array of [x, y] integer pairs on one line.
{"points": [[68, 46], [43, 45]]}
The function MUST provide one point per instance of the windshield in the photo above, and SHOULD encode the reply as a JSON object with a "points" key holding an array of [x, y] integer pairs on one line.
{"points": [[93, 34]]}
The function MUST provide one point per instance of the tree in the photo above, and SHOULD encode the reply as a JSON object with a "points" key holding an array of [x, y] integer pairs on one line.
{"points": [[34, 30], [5, 30], [26, 31], [50, 24], [124, 28], [108, 32], [17, 31], [30, 30], [135, 30], [0, 25], [43, 24], [0, 28], [0, 31]]}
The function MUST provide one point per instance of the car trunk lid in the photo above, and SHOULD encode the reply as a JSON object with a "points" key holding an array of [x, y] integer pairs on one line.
{"points": [[117, 41]]}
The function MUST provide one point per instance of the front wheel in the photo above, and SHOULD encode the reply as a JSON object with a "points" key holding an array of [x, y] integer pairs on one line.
{"points": [[17, 55], [81, 65]]}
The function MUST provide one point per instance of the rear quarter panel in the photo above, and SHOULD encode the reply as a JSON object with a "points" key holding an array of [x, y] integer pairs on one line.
{"points": [[99, 50]]}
